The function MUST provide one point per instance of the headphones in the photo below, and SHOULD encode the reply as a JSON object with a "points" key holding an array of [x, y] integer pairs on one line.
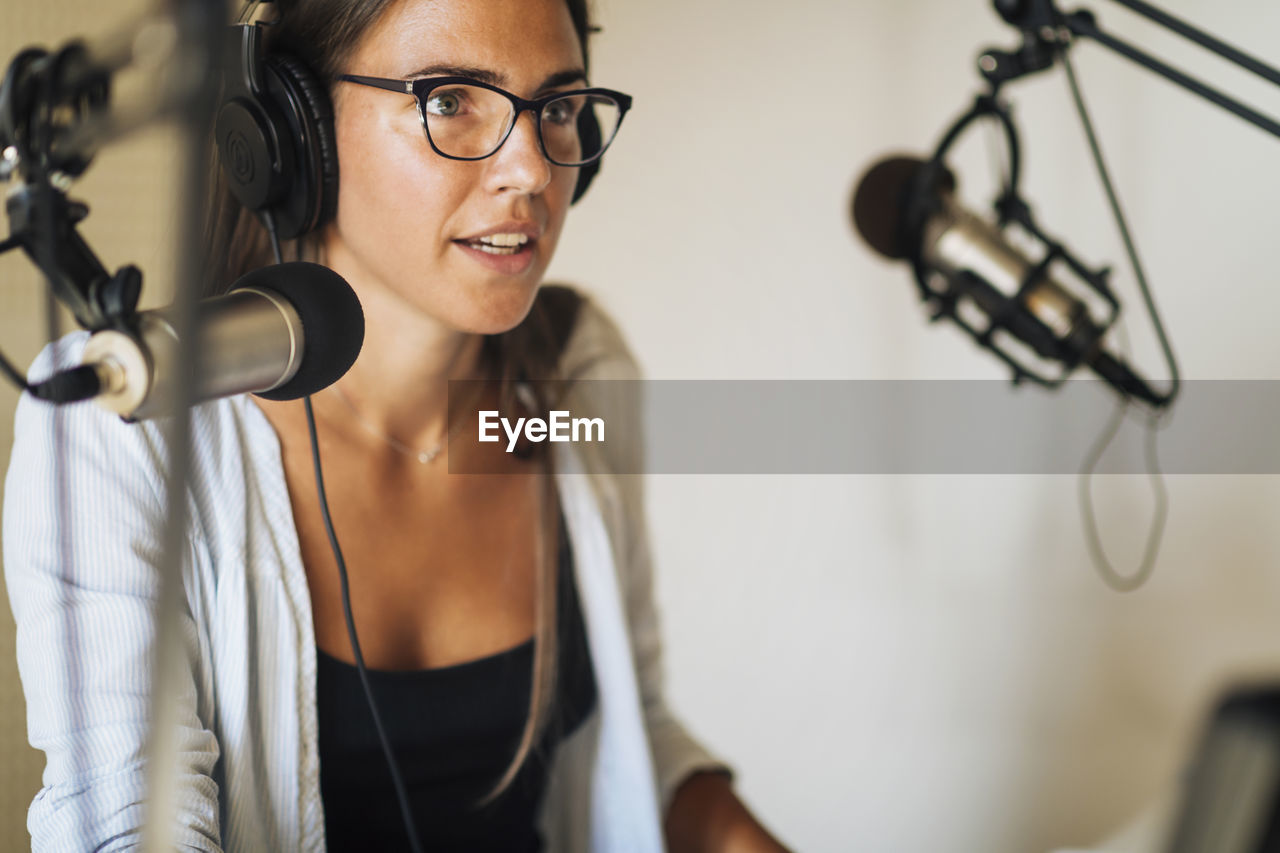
{"points": [[275, 136]]}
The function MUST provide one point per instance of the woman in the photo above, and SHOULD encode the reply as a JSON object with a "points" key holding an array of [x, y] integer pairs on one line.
{"points": [[507, 621]]}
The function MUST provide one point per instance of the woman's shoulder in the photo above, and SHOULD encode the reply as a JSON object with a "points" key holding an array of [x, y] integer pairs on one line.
{"points": [[592, 344], [108, 478], [86, 433], [600, 373], [82, 433]]}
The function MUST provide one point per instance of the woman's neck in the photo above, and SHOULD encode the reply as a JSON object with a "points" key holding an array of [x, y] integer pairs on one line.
{"points": [[400, 383]]}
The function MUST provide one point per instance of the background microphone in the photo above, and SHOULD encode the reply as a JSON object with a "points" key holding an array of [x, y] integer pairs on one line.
{"points": [[906, 210], [283, 332], [58, 107]]}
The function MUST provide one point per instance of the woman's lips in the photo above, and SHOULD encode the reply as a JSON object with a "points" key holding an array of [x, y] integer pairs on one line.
{"points": [[509, 260]]}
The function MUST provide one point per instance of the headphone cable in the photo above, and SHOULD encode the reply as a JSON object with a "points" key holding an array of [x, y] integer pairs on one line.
{"points": [[397, 781]]}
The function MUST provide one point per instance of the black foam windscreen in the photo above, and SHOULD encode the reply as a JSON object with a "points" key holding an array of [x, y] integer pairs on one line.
{"points": [[332, 323], [891, 200], [880, 202]]}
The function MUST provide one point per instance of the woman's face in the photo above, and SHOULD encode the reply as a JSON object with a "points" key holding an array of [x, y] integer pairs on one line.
{"points": [[409, 220]]}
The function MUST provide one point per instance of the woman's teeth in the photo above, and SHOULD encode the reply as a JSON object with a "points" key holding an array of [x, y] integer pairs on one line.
{"points": [[500, 244]]}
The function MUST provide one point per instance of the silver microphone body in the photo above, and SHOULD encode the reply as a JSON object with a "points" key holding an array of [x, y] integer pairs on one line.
{"points": [[250, 340], [955, 240]]}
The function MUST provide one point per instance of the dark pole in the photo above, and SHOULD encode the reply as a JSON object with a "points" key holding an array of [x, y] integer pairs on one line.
{"points": [[1083, 24], [201, 24]]}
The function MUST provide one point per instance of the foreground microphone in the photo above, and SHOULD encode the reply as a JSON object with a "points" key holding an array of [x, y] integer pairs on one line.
{"points": [[906, 210], [283, 332]]}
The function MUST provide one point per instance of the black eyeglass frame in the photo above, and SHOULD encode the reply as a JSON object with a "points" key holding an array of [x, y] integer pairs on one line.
{"points": [[422, 87]]}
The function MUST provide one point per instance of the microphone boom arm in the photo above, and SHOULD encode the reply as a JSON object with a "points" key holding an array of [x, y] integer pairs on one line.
{"points": [[1046, 30]]}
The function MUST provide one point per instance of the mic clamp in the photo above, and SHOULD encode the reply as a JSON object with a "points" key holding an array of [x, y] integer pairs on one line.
{"points": [[1075, 333], [1044, 35], [43, 96]]}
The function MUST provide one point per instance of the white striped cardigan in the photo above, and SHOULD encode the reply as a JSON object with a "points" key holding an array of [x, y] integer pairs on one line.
{"points": [[83, 595]]}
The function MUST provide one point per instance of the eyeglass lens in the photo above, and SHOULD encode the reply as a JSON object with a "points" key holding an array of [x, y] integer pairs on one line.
{"points": [[471, 121]]}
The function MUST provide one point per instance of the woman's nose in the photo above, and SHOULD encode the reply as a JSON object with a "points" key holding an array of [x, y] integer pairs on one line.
{"points": [[520, 163]]}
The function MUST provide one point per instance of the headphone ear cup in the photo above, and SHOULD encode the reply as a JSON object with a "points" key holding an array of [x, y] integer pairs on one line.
{"points": [[589, 139], [310, 192]]}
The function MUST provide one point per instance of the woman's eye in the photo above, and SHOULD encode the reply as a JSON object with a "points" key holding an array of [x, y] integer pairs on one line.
{"points": [[560, 112], [444, 103]]}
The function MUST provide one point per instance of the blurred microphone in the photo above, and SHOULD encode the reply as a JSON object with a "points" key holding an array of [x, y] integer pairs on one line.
{"points": [[283, 332], [60, 106], [905, 213]]}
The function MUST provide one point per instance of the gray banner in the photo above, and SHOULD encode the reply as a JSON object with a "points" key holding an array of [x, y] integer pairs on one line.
{"points": [[893, 427]]}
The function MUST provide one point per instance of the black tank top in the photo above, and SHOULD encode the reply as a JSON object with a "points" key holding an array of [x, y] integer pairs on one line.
{"points": [[454, 730]]}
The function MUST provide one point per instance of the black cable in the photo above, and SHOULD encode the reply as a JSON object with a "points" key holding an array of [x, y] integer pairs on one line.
{"points": [[397, 781], [1097, 553], [1148, 300], [15, 376], [270, 222], [401, 793], [70, 385]]}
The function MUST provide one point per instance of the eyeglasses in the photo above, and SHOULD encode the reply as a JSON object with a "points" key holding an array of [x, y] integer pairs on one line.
{"points": [[466, 119]]}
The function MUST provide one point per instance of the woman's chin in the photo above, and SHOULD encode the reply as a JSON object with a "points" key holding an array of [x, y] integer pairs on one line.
{"points": [[495, 310]]}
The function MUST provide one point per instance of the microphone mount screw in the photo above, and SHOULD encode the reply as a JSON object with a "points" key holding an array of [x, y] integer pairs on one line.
{"points": [[9, 161]]}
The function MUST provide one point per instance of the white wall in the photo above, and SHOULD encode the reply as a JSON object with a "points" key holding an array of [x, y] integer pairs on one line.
{"points": [[931, 663]]}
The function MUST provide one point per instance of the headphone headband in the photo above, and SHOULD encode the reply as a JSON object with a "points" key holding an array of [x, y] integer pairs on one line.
{"points": [[256, 12]]}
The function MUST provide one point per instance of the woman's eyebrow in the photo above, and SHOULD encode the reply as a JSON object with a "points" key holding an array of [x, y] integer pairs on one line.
{"points": [[495, 78], [563, 78], [484, 75]]}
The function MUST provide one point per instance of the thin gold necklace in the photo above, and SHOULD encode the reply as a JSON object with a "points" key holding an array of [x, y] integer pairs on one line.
{"points": [[423, 456]]}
